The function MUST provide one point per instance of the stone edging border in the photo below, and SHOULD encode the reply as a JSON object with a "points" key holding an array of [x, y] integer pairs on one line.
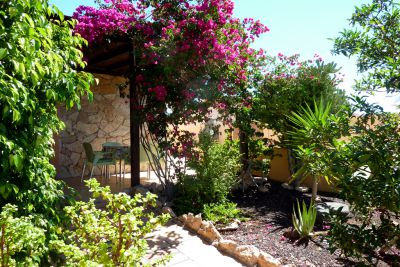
{"points": [[246, 254]]}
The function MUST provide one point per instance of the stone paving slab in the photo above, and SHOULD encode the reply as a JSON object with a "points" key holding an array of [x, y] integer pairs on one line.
{"points": [[187, 249]]}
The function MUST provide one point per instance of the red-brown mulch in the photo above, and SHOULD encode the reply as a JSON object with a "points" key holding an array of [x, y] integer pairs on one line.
{"points": [[270, 216]]}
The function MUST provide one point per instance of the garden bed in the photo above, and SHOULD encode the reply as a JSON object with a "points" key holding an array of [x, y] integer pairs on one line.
{"points": [[270, 216]]}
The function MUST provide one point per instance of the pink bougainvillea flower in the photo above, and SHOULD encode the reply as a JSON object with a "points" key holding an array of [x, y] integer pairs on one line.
{"points": [[183, 47], [326, 227]]}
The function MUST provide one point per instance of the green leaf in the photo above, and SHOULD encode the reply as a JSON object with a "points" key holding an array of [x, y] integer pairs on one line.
{"points": [[29, 20], [3, 53], [30, 207], [4, 191], [15, 188], [16, 115], [16, 160], [30, 120]]}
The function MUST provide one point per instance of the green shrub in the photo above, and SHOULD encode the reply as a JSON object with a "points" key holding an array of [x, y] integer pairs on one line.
{"points": [[222, 213], [355, 240], [260, 153], [21, 242], [304, 220], [39, 58], [372, 192], [216, 175], [113, 236], [365, 166]]}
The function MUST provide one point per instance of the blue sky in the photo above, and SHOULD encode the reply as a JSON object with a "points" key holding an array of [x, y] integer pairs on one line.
{"points": [[302, 27]]}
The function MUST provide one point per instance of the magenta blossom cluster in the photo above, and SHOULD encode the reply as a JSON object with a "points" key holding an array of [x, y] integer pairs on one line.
{"points": [[190, 53], [204, 30], [159, 91], [94, 24]]}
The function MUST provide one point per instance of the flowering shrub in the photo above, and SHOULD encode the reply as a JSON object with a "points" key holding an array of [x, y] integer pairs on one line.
{"points": [[290, 84], [189, 54]]}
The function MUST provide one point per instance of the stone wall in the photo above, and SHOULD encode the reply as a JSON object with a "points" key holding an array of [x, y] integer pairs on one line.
{"points": [[106, 119]]}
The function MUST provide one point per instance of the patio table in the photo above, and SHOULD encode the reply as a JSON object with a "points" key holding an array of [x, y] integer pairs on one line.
{"points": [[119, 152]]}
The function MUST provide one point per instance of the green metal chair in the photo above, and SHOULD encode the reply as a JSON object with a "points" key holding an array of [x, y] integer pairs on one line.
{"points": [[118, 153], [96, 158]]}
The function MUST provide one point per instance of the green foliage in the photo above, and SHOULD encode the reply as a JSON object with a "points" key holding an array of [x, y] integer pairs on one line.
{"points": [[304, 219], [378, 148], [374, 39], [39, 58], [365, 167], [113, 236], [21, 242], [369, 179], [291, 85], [315, 133], [216, 175], [222, 213], [259, 147], [362, 240], [260, 152]]}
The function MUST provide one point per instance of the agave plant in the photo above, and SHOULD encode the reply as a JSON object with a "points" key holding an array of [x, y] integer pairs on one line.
{"points": [[304, 219]]}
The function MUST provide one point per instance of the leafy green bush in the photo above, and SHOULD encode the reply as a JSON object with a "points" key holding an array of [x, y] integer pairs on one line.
{"points": [[304, 219], [373, 29], [362, 240], [39, 58], [216, 175], [22, 243], [113, 236], [372, 192], [222, 213], [290, 87], [373, 141]]}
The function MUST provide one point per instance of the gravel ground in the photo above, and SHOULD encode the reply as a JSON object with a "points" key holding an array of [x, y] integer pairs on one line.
{"points": [[270, 216]]}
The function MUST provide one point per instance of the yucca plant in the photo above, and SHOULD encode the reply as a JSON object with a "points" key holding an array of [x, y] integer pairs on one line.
{"points": [[304, 219], [313, 136]]}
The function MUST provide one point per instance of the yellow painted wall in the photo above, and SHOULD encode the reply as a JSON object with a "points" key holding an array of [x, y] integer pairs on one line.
{"points": [[279, 171]]}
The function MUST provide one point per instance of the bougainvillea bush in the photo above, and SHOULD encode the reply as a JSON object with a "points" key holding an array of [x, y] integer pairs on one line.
{"points": [[188, 54]]}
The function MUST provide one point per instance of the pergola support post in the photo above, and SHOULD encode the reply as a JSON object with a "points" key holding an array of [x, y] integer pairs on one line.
{"points": [[134, 120]]}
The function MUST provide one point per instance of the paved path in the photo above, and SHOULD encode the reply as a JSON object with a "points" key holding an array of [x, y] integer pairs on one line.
{"points": [[187, 249]]}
